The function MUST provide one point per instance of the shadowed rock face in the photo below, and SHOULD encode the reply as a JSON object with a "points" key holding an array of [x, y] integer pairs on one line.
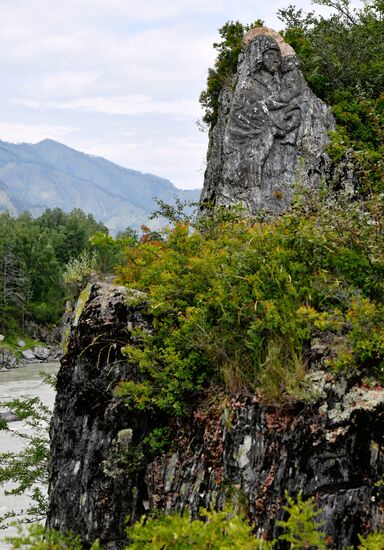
{"points": [[271, 130], [247, 452], [94, 485]]}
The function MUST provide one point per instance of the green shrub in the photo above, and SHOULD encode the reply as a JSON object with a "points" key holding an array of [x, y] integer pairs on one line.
{"points": [[239, 304], [38, 537], [78, 271], [374, 541], [302, 526], [220, 531]]}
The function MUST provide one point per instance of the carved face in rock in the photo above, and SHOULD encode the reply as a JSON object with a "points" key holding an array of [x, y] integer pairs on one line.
{"points": [[272, 60], [264, 53]]}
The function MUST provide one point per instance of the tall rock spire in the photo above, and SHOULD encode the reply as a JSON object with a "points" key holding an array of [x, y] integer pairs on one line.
{"points": [[271, 130]]}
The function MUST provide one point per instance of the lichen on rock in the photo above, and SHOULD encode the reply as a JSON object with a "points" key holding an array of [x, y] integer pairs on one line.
{"points": [[80, 304]]}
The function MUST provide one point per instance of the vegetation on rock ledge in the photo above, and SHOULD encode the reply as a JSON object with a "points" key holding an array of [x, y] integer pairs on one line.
{"points": [[222, 530], [242, 303]]}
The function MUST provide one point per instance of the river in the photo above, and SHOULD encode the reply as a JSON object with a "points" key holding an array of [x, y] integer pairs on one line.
{"points": [[16, 383]]}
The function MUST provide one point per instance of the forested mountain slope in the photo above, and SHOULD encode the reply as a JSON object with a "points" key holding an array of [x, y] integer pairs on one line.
{"points": [[48, 174]]}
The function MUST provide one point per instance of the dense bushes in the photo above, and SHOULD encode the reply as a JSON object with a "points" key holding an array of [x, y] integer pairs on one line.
{"points": [[221, 530], [225, 530], [240, 303]]}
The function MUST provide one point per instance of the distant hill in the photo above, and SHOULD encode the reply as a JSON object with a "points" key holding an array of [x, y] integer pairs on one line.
{"points": [[48, 174]]}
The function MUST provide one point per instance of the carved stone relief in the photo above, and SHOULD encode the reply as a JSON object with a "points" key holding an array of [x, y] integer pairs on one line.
{"points": [[271, 130]]}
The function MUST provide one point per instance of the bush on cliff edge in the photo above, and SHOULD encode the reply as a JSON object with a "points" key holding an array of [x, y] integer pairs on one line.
{"points": [[240, 303]]}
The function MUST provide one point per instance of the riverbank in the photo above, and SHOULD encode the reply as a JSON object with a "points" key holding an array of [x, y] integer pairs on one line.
{"points": [[17, 383], [10, 359]]}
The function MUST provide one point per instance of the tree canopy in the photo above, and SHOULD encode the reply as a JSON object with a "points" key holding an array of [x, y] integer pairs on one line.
{"points": [[33, 255]]}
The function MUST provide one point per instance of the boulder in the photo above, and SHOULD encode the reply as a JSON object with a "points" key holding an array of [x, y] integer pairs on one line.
{"points": [[8, 416], [28, 355], [7, 360], [55, 354], [271, 132], [41, 352]]}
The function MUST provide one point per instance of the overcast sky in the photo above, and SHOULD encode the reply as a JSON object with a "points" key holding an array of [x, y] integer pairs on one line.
{"points": [[117, 78]]}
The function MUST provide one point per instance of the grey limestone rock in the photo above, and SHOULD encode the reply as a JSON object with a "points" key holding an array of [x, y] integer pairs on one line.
{"points": [[94, 436], [271, 130]]}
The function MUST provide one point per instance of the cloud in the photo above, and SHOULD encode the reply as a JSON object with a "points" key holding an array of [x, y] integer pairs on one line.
{"points": [[73, 82], [54, 12], [22, 133], [120, 78], [119, 105]]}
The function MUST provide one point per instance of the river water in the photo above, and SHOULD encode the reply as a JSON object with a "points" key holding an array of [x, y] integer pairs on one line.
{"points": [[16, 383]]}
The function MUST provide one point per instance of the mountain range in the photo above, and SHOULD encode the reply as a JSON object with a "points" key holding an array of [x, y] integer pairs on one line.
{"points": [[48, 174]]}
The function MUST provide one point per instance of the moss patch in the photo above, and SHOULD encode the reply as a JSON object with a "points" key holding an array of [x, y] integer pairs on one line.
{"points": [[80, 304]]}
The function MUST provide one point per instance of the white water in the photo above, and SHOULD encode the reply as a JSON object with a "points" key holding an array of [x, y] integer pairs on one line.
{"points": [[16, 383]]}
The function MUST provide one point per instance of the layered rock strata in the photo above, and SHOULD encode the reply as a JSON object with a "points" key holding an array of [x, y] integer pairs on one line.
{"points": [[242, 451]]}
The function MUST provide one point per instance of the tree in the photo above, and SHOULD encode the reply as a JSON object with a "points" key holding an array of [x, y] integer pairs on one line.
{"points": [[75, 231], [15, 287], [340, 53], [342, 58], [28, 468]]}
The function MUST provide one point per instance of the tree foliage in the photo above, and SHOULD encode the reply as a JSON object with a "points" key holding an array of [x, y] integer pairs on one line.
{"points": [[342, 52], [27, 469], [228, 50], [342, 58], [34, 254]]}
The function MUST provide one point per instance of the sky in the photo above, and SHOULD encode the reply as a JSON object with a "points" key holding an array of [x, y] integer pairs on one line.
{"points": [[119, 79]]}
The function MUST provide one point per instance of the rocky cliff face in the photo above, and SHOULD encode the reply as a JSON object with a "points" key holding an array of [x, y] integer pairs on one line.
{"points": [[271, 130], [240, 450]]}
